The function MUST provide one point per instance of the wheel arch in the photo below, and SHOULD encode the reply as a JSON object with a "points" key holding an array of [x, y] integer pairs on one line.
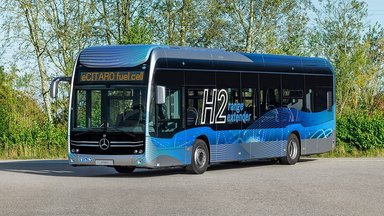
{"points": [[295, 132], [206, 140]]}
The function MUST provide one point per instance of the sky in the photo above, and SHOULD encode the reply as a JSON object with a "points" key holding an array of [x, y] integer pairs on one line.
{"points": [[375, 11]]}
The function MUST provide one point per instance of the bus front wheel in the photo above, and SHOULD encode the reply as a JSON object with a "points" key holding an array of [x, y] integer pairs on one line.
{"points": [[199, 158], [292, 150], [124, 169]]}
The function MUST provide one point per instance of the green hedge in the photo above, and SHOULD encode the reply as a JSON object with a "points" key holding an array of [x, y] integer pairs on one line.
{"points": [[361, 131], [41, 141], [24, 129], [26, 133]]}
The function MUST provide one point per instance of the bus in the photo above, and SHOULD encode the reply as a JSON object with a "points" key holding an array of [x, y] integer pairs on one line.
{"points": [[152, 106]]}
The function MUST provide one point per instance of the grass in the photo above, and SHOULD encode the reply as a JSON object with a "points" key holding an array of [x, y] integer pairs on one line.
{"points": [[24, 151], [345, 150]]}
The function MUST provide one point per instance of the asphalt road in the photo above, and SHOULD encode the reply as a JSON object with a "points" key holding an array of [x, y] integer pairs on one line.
{"points": [[311, 187]]}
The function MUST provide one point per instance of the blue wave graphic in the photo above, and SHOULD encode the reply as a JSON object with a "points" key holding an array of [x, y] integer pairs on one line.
{"points": [[266, 137], [267, 128]]}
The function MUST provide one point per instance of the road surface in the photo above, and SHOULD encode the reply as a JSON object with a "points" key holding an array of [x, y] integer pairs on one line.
{"points": [[311, 187]]}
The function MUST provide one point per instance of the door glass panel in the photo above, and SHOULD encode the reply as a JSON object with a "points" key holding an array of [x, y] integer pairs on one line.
{"points": [[96, 109], [81, 110], [194, 107], [169, 118]]}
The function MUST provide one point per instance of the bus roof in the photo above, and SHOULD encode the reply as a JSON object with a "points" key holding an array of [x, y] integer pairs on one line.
{"points": [[217, 59]]}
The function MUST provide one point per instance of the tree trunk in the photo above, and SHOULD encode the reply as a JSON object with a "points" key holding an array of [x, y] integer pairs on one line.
{"points": [[248, 46], [183, 21], [43, 83], [106, 22], [125, 7], [32, 21], [170, 22]]}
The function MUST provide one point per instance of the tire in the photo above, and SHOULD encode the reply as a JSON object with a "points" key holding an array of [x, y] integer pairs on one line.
{"points": [[199, 158], [292, 150], [124, 169]]}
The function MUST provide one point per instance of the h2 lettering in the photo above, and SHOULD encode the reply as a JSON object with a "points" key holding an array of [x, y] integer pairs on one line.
{"points": [[210, 103]]}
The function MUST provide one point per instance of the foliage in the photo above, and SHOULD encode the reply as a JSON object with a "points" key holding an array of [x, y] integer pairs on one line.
{"points": [[361, 130], [25, 132], [355, 49], [49, 34]]}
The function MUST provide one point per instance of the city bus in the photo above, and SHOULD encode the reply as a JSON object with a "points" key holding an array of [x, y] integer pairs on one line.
{"points": [[153, 106]]}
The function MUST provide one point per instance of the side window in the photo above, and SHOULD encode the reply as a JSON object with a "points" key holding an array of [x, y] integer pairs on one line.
{"points": [[230, 82], [293, 91], [270, 95], [249, 83], [233, 95], [249, 100], [169, 113], [293, 98], [195, 83], [194, 106], [319, 94]]}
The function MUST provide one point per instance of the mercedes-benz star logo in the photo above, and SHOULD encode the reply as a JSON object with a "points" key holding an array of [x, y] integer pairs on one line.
{"points": [[104, 144]]}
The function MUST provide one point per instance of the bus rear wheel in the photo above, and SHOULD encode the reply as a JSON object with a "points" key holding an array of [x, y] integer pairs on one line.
{"points": [[293, 151], [199, 158], [124, 169]]}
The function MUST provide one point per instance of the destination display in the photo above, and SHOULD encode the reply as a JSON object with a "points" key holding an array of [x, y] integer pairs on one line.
{"points": [[120, 76]]}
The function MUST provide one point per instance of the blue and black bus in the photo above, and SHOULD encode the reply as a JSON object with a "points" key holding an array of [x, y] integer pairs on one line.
{"points": [[162, 106]]}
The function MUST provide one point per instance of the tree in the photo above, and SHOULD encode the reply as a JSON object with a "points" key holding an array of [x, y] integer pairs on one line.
{"points": [[276, 26], [30, 13], [172, 21], [340, 34], [124, 22], [25, 132], [52, 32]]}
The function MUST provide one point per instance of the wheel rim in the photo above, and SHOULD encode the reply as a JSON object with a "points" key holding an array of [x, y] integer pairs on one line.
{"points": [[200, 157], [292, 149]]}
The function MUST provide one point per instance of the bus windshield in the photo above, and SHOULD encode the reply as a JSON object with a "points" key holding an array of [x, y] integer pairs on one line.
{"points": [[118, 109]]}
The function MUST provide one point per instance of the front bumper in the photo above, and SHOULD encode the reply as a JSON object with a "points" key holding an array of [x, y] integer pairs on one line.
{"points": [[107, 160]]}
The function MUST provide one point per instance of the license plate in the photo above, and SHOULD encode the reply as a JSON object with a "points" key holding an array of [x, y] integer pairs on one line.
{"points": [[104, 162]]}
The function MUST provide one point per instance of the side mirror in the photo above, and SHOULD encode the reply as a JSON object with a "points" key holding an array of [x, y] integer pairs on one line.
{"points": [[55, 84], [160, 94]]}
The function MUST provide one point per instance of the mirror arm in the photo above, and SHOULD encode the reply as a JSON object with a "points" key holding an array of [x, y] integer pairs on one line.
{"points": [[55, 83]]}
